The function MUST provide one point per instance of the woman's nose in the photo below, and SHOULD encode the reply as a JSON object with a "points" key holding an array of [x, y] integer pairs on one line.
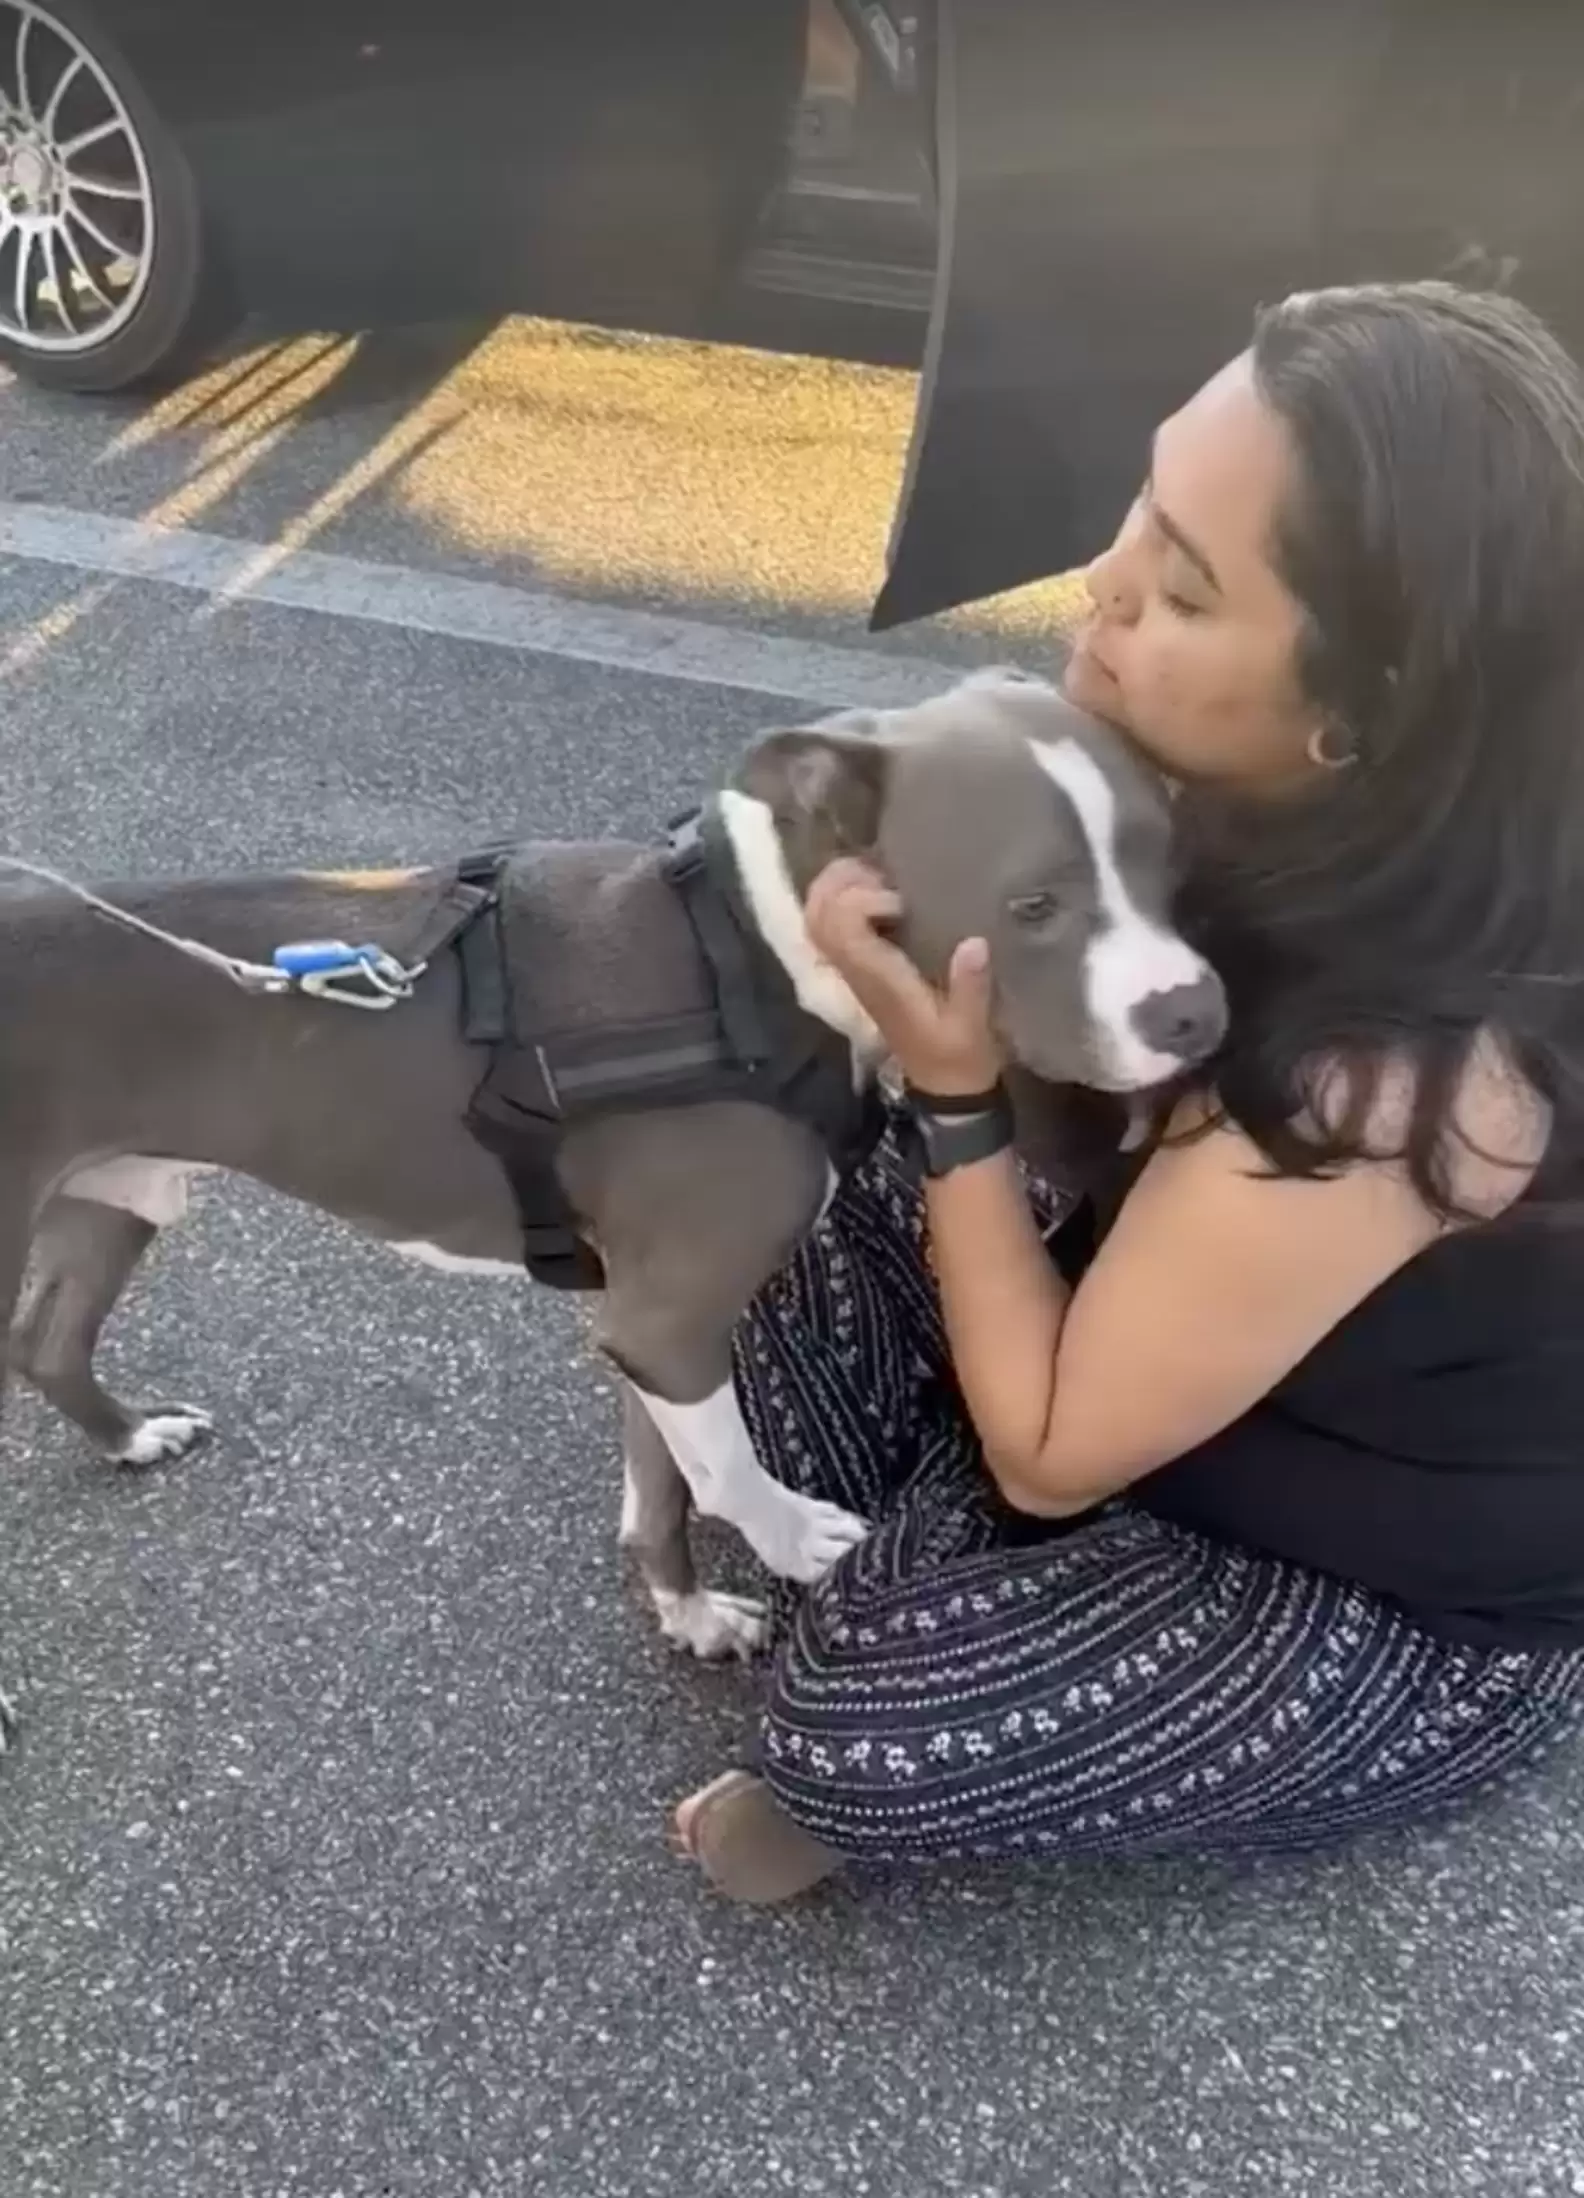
{"points": [[1112, 578], [1109, 590]]}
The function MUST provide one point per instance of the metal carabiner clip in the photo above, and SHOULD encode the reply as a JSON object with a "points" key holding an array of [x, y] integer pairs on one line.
{"points": [[350, 976]]}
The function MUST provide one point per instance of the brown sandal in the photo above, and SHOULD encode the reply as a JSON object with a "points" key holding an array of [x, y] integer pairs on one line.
{"points": [[744, 1845]]}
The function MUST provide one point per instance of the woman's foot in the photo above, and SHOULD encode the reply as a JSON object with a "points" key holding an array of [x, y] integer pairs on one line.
{"points": [[746, 1847]]}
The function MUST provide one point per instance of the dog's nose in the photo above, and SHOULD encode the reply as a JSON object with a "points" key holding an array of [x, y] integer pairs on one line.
{"points": [[1188, 1021]]}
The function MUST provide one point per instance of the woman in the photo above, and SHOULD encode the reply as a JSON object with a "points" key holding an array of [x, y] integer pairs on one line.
{"points": [[1265, 1523]]}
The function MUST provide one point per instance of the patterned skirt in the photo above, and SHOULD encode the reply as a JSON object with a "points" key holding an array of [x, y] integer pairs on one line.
{"points": [[972, 1682]]}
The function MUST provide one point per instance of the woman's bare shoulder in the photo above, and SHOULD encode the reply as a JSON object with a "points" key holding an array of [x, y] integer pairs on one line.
{"points": [[1497, 1132]]}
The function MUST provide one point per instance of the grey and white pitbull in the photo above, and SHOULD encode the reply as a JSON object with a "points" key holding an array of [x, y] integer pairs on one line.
{"points": [[995, 809]]}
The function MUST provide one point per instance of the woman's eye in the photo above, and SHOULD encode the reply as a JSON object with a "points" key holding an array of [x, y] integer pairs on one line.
{"points": [[1035, 907], [1179, 605]]}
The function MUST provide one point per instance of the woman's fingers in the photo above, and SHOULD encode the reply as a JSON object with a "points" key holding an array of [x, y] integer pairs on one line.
{"points": [[941, 1037], [888, 985], [968, 979], [845, 905], [845, 897]]}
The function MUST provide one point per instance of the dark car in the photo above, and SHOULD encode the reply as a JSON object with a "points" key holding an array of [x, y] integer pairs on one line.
{"points": [[1077, 205]]}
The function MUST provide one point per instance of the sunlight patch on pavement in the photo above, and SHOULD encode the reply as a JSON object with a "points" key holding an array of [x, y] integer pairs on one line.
{"points": [[612, 467], [611, 464], [255, 394], [247, 408], [54, 625], [416, 433]]}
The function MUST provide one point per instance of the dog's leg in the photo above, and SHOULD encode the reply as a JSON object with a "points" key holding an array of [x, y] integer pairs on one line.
{"points": [[693, 1210], [655, 1505], [796, 1537], [684, 1379], [84, 1253]]}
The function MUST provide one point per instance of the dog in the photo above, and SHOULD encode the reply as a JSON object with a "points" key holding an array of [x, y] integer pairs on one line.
{"points": [[995, 809]]}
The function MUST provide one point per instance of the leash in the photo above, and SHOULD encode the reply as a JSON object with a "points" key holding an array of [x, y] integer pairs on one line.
{"points": [[320, 969]]}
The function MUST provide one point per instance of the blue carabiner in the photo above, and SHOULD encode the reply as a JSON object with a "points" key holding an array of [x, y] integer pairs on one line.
{"points": [[320, 957]]}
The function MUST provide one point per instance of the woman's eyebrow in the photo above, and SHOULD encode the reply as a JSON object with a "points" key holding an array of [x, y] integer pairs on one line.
{"points": [[1190, 549], [1180, 541]]}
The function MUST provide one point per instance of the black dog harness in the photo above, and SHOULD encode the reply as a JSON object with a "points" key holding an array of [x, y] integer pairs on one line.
{"points": [[752, 1041]]}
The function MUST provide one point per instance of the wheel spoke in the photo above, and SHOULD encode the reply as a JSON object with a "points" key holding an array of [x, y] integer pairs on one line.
{"points": [[106, 244], [24, 262], [63, 85], [102, 187], [114, 127], [57, 282], [89, 279], [19, 64]]}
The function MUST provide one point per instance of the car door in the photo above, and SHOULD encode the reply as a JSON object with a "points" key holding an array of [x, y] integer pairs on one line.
{"points": [[1120, 187], [365, 161]]}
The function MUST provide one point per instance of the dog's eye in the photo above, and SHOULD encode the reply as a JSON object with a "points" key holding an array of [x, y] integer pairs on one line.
{"points": [[1032, 908]]}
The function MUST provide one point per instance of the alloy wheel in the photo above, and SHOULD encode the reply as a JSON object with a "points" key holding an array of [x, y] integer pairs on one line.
{"points": [[77, 224]]}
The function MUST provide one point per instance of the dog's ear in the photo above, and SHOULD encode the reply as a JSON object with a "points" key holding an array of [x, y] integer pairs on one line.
{"points": [[820, 779]]}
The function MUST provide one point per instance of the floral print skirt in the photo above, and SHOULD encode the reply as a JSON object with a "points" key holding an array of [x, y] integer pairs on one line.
{"points": [[970, 1682]]}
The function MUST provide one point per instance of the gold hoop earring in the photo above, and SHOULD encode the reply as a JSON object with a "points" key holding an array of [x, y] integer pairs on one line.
{"points": [[1322, 757]]}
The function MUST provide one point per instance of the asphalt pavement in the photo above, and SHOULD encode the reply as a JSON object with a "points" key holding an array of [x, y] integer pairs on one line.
{"points": [[331, 1855]]}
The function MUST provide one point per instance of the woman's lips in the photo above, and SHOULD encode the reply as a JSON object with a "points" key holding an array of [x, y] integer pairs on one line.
{"points": [[1084, 667]]}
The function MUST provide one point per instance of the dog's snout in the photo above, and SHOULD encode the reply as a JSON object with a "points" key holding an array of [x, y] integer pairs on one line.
{"points": [[1188, 1021]]}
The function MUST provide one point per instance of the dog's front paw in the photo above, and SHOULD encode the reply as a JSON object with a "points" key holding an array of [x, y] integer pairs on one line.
{"points": [[713, 1626], [10, 1722], [804, 1536], [159, 1436]]}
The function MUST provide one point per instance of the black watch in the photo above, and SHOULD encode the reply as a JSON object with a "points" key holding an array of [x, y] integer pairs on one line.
{"points": [[953, 1132]]}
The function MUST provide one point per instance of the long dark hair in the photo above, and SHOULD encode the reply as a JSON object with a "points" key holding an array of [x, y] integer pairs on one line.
{"points": [[1433, 889]]}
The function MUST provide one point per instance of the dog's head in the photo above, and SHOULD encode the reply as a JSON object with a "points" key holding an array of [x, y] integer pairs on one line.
{"points": [[997, 811]]}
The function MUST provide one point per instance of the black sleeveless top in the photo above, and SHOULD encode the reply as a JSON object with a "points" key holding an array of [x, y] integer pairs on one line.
{"points": [[1431, 1447]]}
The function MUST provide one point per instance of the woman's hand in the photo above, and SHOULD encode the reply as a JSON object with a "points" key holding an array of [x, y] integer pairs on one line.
{"points": [[941, 1039]]}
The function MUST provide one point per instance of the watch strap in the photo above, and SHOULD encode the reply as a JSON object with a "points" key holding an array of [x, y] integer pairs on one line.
{"points": [[956, 1102], [954, 1132]]}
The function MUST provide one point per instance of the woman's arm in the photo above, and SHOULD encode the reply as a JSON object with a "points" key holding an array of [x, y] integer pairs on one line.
{"points": [[1005, 1307], [1215, 1280], [1214, 1283]]}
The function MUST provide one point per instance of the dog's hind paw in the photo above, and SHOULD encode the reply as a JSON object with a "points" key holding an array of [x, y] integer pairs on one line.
{"points": [[711, 1625], [10, 1722], [160, 1436]]}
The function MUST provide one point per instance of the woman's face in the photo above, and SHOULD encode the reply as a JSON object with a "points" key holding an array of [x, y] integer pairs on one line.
{"points": [[1191, 646]]}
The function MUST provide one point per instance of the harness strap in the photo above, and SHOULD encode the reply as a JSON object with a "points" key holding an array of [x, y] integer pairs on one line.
{"points": [[460, 901], [553, 1255], [721, 941], [486, 1000], [516, 1133], [581, 1070]]}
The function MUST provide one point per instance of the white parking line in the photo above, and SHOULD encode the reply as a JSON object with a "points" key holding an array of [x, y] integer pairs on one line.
{"points": [[537, 623]]}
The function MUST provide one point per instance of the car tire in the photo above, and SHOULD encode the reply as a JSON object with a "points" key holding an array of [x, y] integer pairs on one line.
{"points": [[172, 308]]}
